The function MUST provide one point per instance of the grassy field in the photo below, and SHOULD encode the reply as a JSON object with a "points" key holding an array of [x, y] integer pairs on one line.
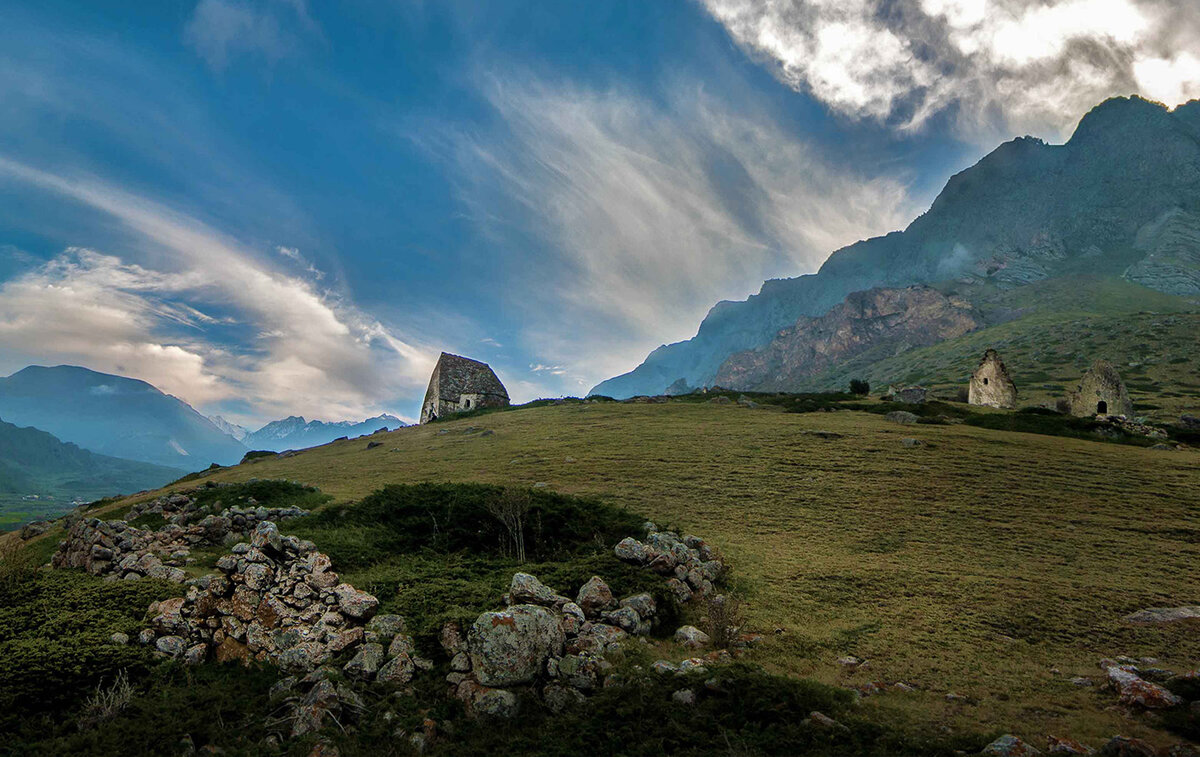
{"points": [[988, 564]]}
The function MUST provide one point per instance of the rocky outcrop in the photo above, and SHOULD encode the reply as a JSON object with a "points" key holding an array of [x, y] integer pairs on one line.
{"points": [[558, 645], [1133, 690], [887, 321], [277, 599]]}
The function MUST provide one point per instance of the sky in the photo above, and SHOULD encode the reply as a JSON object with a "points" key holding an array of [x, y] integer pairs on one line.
{"points": [[282, 207]]}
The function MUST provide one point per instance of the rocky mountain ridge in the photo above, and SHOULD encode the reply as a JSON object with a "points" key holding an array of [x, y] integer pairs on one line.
{"points": [[294, 432], [888, 320], [1121, 198]]}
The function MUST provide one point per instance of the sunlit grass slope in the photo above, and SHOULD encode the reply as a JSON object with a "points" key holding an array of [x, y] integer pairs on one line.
{"points": [[978, 564]]}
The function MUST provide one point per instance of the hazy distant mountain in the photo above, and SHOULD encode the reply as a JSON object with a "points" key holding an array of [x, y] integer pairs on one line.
{"points": [[33, 462], [116, 416], [294, 432], [233, 429], [1121, 199]]}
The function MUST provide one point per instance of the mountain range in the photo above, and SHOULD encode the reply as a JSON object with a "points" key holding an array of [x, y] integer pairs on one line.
{"points": [[294, 432], [1119, 200]]}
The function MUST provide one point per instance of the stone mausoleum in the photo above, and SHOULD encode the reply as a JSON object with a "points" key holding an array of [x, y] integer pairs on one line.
{"points": [[1100, 392], [991, 385], [459, 384]]}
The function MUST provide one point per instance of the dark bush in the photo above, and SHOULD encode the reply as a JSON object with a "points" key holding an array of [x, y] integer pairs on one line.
{"points": [[255, 454], [860, 387], [449, 518]]}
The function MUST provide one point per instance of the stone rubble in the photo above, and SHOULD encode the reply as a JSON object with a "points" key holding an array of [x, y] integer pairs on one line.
{"points": [[117, 550], [278, 600], [558, 645]]}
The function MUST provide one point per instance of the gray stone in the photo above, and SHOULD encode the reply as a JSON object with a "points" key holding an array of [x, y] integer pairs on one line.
{"points": [[495, 703], [399, 669], [366, 663], [684, 697], [526, 589], [170, 645], [119, 638], [630, 550], [1163, 615], [267, 538], [355, 603], [643, 604], [691, 637], [1009, 746], [558, 697], [511, 646], [595, 597], [385, 625], [901, 416]]}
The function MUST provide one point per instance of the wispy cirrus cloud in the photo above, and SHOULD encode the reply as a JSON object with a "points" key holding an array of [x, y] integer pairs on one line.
{"points": [[629, 218], [1004, 65], [298, 348], [221, 30]]}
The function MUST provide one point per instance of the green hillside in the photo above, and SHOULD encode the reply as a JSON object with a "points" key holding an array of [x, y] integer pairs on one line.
{"points": [[988, 565], [1048, 334], [40, 476]]}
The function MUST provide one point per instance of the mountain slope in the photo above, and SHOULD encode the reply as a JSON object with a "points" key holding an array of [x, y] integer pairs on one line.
{"points": [[1117, 199], [35, 462], [233, 429], [116, 416], [294, 432], [877, 320]]}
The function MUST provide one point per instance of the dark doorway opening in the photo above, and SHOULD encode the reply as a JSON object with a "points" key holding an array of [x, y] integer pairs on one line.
{"points": [[1102, 408], [985, 382]]}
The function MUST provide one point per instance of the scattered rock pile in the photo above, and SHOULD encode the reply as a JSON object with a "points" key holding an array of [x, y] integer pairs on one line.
{"points": [[116, 550], [182, 510], [278, 600], [544, 639], [691, 564], [1129, 679]]}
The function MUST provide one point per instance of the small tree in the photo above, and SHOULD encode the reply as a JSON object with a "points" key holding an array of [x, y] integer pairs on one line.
{"points": [[859, 387], [17, 564], [510, 508]]}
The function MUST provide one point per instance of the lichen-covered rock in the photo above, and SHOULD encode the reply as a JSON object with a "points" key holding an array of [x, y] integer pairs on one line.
{"points": [[595, 597], [1009, 746], [643, 604], [511, 646], [526, 589], [691, 637], [630, 550], [399, 669], [354, 603], [1061, 745], [366, 662], [386, 626], [559, 697], [1133, 690], [1123, 746]]}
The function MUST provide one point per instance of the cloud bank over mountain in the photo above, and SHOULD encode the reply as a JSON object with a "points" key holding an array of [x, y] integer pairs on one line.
{"points": [[1020, 65]]}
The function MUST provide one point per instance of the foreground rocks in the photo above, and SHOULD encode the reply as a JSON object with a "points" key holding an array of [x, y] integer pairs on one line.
{"points": [[557, 645], [117, 550], [278, 600]]}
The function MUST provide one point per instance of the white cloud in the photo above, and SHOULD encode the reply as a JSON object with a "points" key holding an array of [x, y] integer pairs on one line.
{"points": [[288, 347], [1005, 65], [627, 220], [221, 30]]}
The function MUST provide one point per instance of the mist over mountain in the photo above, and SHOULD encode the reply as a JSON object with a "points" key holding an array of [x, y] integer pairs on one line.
{"points": [[1120, 198], [294, 432], [116, 416]]}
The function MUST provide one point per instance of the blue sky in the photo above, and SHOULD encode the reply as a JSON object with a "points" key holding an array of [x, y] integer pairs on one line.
{"points": [[277, 207]]}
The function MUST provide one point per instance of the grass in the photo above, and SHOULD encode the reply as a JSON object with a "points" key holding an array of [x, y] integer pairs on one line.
{"points": [[978, 564]]}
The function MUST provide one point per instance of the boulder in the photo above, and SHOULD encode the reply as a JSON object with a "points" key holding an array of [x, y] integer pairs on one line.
{"points": [[630, 550], [1059, 745], [691, 637], [1133, 690], [525, 589], [1122, 746], [558, 697], [399, 669], [643, 604], [901, 416], [1009, 746], [511, 646], [354, 603], [595, 597], [365, 664], [1163, 615]]}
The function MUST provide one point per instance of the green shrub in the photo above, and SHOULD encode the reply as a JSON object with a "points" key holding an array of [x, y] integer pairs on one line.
{"points": [[55, 643], [447, 518], [860, 387], [268, 493], [255, 454]]}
